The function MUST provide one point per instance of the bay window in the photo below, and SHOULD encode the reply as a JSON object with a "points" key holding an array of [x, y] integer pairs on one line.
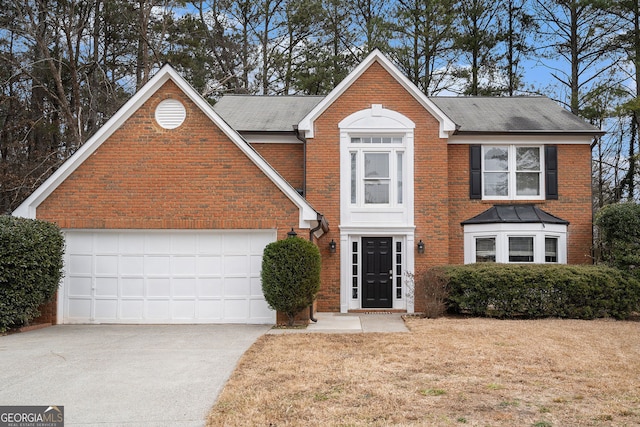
{"points": [[532, 246], [521, 233]]}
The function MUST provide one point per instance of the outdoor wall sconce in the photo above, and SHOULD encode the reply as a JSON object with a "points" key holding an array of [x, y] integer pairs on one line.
{"points": [[291, 233], [420, 247], [332, 246]]}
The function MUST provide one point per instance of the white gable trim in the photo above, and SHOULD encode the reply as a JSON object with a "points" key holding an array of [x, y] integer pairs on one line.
{"points": [[308, 216], [376, 118], [447, 126]]}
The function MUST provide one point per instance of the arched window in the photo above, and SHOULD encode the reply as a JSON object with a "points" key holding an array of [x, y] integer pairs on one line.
{"points": [[377, 151]]}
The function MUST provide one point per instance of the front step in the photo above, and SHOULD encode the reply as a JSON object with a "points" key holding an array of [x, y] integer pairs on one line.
{"points": [[376, 311]]}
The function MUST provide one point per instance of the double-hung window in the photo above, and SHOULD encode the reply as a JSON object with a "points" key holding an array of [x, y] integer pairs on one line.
{"points": [[377, 170], [512, 172]]}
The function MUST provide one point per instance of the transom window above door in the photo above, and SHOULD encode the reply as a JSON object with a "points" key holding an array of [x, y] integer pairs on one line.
{"points": [[376, 140], [377, 170]]}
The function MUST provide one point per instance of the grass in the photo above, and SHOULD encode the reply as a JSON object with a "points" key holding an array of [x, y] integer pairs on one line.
{"points": [[445, 372]]}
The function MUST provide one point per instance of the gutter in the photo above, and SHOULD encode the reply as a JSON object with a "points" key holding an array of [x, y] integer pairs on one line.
{"points": [[532, 132], [322, 221]]}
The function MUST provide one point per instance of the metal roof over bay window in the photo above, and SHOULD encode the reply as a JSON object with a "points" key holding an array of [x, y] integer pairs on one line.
{"points": [[530, 214]]}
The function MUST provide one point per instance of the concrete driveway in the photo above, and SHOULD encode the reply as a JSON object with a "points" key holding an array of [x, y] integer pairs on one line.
{"points": [[124, 375]]}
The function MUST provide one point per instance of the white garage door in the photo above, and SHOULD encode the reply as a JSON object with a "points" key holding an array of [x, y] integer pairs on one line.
{"points": [[164, 277]]}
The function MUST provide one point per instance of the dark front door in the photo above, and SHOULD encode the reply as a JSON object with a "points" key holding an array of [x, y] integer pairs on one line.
{"points": [[377, 272]]}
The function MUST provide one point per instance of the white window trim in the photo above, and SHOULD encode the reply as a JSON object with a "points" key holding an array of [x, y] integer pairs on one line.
{"points": [[502, 232], [393, 150], [377, 121], [512, 172]]}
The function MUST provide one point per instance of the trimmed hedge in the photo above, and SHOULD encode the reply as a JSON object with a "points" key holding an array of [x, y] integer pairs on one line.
{"points": [[290, 275], [31, 261], [535, 291]]}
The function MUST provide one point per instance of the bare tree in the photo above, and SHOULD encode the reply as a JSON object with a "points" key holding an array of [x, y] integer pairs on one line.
{"points": [[574, 34], [425, 50], [477, 39]]}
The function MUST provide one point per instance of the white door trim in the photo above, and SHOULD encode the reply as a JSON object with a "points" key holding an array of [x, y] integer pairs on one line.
{"points": [[350, 235]]}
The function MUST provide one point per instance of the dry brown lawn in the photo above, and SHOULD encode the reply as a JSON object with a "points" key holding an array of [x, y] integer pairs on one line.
{"points": [[445, 372]]}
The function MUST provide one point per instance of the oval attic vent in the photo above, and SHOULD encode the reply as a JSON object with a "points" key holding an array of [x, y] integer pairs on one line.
{"points": [[170, 113]]}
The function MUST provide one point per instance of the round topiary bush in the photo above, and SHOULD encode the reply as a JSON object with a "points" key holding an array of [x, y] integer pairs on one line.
{"points": [[290, 275], [31, 261]]}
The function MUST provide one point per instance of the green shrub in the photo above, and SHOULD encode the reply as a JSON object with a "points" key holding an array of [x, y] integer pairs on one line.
{"points": [[619, 227], [534, 291], [290, 275], [31, 260]]}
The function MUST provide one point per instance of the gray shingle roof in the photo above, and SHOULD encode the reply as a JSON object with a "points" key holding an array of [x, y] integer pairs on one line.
{"points": [[498, 115], [251, 113], [535, 114], [526, 214]]}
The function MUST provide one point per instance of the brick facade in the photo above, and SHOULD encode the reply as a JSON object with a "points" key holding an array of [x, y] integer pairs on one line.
{"points": [[377, 86], [195, 177], [287, 159], [573, 204], [441, 183], [147, 177]]}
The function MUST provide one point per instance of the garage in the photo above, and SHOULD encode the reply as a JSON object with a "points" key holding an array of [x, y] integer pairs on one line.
{"points": [[164, 276]]}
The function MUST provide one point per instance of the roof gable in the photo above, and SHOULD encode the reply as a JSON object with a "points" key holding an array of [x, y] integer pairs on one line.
{"points": [[446, 124], [308, 216]]}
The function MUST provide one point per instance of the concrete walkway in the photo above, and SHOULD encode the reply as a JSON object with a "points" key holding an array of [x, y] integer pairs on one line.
{"points": [[338, 323]]}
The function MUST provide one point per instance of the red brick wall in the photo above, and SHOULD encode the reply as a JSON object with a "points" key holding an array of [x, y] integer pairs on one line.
{"points": [[573, 204], [192, 177], [377, 86], [287, 159], [441, 180], [48, 312]]}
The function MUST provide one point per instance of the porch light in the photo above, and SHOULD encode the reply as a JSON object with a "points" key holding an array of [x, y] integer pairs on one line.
{"points": [[292, 233], [332, 246], [420, 247]]}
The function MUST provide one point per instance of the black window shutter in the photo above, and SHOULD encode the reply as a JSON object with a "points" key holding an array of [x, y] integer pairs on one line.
{"points": [[475, 170], [551, 171]]}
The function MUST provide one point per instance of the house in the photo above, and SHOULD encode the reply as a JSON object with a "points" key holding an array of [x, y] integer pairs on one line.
{"points": [[166, 209]]}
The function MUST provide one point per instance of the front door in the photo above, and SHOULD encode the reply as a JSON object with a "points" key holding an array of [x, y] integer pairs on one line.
{"points": [[377, 272]]}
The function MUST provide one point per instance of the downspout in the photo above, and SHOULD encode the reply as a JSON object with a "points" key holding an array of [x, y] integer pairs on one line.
{"points": [[304, 194], [313, 230], [304, 160]]}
